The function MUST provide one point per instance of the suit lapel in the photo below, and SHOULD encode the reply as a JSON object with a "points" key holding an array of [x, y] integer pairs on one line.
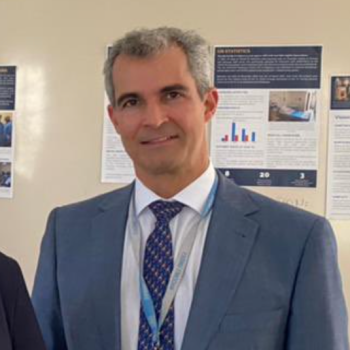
{"points": [[229, 241], [107, 239]]}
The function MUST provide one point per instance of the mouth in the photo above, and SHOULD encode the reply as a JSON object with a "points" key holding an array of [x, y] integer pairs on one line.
{"points": [[159, 140]]}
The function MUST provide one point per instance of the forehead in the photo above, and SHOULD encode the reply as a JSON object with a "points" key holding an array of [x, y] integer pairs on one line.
{"points": [[169, 67]]}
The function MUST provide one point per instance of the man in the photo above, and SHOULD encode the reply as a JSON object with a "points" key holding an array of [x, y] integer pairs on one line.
{"points": [[2, 133], [8, 131], [183, 258]]}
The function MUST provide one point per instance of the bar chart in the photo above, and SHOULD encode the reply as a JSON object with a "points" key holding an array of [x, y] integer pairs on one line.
{"points": [[238, 134]]}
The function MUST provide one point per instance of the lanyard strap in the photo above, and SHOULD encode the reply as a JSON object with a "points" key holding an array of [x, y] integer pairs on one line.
{"points": [[180, 263]]}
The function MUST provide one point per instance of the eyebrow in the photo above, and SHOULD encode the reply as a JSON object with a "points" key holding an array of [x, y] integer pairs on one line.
{"points": [[177, 87]]}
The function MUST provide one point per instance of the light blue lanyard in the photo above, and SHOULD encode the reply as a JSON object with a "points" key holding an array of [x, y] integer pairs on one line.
{"points": [[179, 265]]}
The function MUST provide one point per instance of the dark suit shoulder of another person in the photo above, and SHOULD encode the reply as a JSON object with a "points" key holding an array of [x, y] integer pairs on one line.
{"points": [[18, 325]]}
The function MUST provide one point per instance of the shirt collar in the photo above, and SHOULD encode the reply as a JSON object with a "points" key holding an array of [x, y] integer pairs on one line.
{"points": [[193, 196]]}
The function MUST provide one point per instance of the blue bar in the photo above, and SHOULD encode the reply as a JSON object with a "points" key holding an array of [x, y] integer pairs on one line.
{"points": [[243, 135], [233, 132], [253, 137]]}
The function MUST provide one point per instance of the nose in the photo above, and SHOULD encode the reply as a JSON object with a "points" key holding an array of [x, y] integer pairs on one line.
{"points": [[154, 115]]}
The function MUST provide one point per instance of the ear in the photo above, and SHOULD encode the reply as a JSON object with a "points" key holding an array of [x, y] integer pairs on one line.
{"points": [[113, 117], [211, 101]]}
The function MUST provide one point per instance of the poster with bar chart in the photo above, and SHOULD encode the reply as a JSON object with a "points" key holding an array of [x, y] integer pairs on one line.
{"points": [[266, 129]]}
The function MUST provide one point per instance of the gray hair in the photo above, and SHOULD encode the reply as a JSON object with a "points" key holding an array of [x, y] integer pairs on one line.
{"points": [[144, 43]]}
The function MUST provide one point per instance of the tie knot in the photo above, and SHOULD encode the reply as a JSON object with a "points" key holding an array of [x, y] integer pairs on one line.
{"points": [[165, 211]]}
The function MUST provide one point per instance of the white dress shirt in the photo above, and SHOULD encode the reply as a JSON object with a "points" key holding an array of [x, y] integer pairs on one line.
{"points": [[194, 197]]}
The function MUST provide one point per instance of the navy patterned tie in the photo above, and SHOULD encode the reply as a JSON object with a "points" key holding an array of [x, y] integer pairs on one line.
{"points": [[158, 264]]}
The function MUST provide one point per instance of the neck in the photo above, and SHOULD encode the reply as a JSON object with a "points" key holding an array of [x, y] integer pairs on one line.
{"points": [[167, 185]]}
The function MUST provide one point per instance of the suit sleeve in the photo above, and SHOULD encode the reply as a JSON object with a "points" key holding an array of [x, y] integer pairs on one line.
{"points": [[46, 299], [25, 330], [318, 317]]}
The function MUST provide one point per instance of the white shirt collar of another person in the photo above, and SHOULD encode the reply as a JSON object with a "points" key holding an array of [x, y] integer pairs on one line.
{"points": [[193, 196]]}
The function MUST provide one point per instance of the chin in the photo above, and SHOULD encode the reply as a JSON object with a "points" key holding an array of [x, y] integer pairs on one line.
{"points": [[162, 168]]}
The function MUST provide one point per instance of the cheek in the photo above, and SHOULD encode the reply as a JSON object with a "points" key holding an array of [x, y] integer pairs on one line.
{"points": [[194, 123], [128, 128], [187, 118]]}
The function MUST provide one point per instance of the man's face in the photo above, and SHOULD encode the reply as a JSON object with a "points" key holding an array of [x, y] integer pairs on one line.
{"points": [[160, 116]]}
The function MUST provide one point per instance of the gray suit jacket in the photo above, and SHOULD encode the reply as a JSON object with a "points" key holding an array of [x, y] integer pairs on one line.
{"points": [[269, 278]]}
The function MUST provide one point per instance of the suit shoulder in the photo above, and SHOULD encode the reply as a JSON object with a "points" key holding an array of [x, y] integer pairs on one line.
{"points": [[90, 206], [7, 265], [10, 275], [268, 212], [267, 203], [288, 229], [285, 217]]}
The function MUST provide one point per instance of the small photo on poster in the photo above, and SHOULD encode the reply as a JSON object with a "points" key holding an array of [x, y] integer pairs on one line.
{"points": [[6, 120], [340, 98], [5, 175], [292, 106]]}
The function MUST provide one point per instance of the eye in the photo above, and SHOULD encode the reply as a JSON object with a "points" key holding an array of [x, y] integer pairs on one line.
{"points": [[172, 95], [131, 102]]}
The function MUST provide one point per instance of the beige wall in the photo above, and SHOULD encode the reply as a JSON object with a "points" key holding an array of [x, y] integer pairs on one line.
{"points": [[59, 48]]}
